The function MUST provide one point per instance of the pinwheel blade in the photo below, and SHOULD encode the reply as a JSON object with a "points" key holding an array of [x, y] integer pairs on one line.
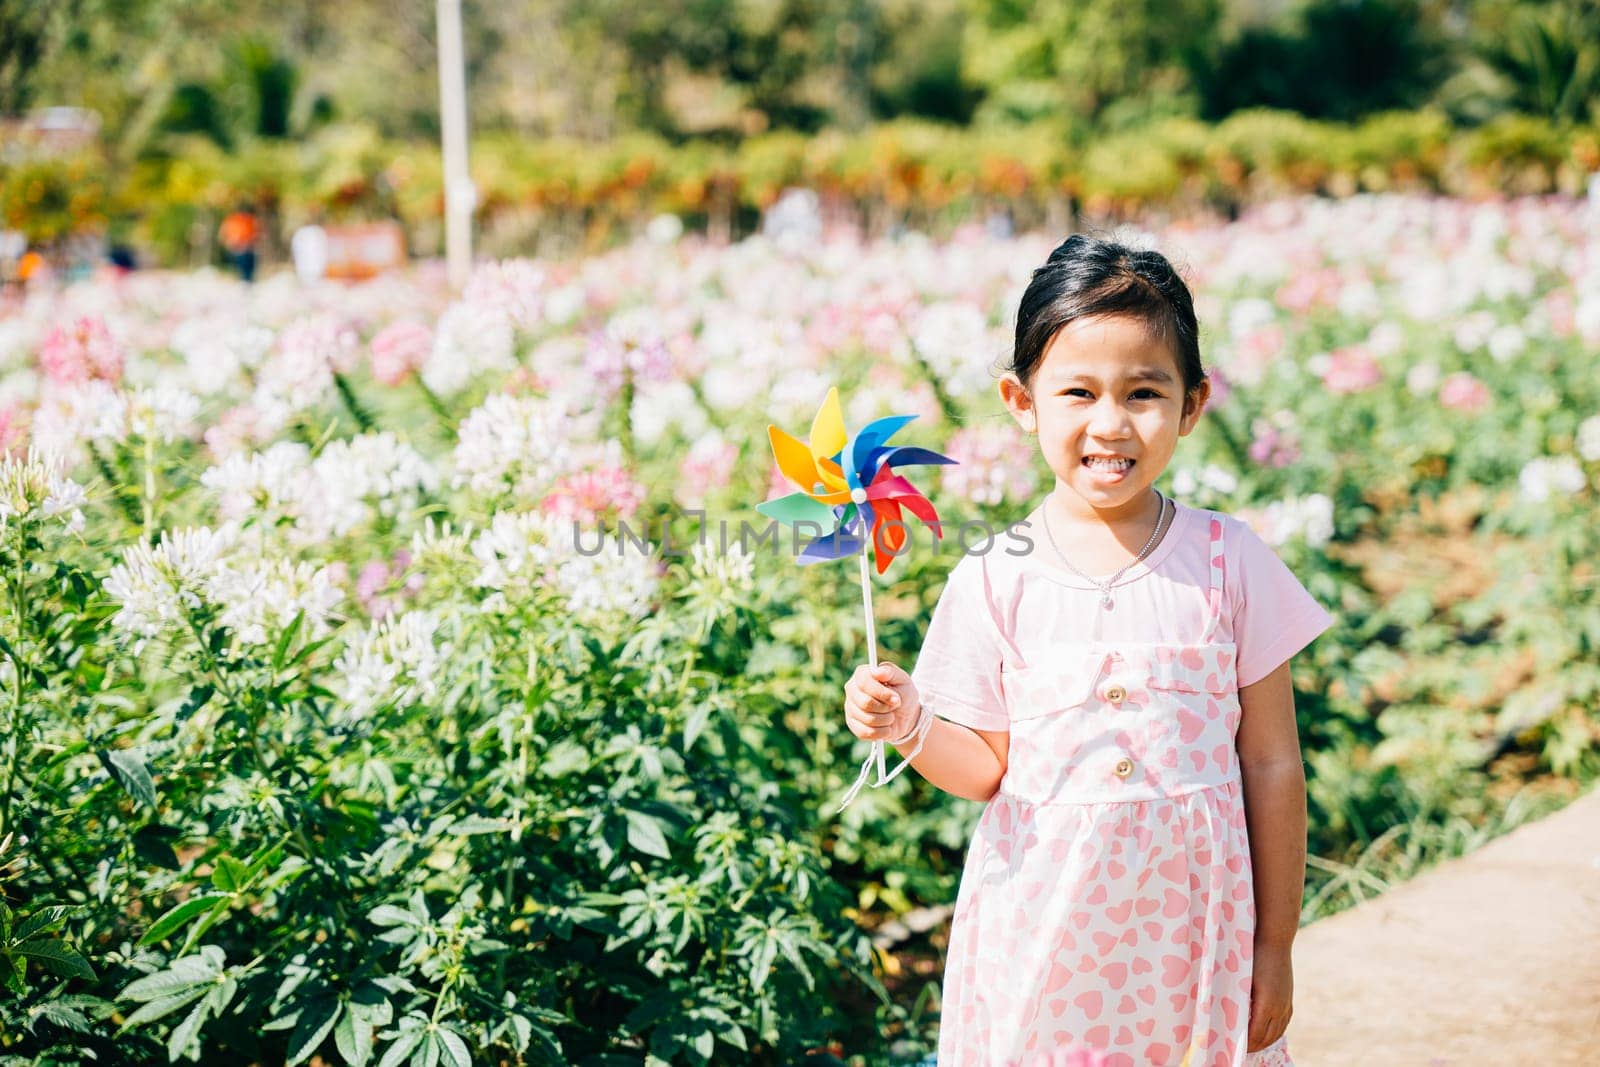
{"points": [[868, 440], [797, 508], [889, 486], [836, 545], [794, 459], [827, 429]]}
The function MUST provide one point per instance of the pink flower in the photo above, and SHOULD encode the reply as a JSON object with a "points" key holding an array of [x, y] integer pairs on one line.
{"points": [[1462, 392], [324, 339], [1272, 446], [992, 465], [593, 495], [707, 468], [1221, 387], [13, 429], [84, 351], [399, 350], [1351, 370]]}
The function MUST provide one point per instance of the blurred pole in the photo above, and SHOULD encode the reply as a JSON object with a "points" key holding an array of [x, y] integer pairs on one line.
{"points": [[459, 195]]}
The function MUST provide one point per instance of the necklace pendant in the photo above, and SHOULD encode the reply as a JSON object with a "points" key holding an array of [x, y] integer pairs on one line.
{"points": [[1105, 601]]}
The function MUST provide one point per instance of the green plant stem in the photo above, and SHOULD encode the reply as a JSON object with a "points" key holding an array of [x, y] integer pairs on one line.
{"points": [[14, 731], [148, 496], [352, 403]]}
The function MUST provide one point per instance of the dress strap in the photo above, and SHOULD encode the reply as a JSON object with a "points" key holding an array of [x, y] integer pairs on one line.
{"points": [[1214, 595]]}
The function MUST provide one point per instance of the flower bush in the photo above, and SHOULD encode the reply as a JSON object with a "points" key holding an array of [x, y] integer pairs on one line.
{"points": [[387, 680]]}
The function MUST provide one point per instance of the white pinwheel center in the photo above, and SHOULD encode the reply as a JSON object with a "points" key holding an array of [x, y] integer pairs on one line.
{"points": [[858, 495]]}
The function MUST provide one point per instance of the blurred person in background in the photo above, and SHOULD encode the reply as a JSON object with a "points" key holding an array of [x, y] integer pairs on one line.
{"points": [[239, 233]]}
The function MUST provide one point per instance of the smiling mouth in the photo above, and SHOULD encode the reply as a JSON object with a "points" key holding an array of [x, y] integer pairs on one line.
{"points": [[1096, 464]]}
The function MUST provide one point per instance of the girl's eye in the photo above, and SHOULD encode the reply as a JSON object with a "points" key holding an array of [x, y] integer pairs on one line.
{"points": [[1136, 392]]}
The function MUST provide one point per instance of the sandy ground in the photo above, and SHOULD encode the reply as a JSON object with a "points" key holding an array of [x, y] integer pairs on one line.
{"points": [[1493, 958]]}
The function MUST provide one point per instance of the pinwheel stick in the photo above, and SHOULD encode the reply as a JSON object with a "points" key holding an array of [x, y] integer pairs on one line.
{"points": [[877, 755]]}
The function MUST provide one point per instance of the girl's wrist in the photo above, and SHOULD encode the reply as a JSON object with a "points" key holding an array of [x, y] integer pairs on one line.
{"points": [[914, 728]]}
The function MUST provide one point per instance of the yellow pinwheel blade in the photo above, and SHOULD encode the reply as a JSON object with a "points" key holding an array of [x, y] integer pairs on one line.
{"points": [[827, 429], [794, 460]]}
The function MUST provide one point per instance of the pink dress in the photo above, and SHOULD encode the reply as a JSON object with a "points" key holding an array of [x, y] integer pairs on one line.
{"points": [[1106, 903]]}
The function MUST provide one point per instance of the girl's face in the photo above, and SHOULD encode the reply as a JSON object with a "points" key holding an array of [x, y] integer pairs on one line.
{"points": [[1108, 405]]}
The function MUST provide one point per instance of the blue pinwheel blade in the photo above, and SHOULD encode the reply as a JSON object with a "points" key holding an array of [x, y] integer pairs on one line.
{"points": [[868, 438], [836, 545]]}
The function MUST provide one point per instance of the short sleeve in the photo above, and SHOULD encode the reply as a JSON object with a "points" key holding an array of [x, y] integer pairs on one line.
{"points": [[958, 668], [1273, 615]]}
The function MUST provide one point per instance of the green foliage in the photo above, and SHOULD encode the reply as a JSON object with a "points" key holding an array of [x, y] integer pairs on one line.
{"points": [[1337, 60]]}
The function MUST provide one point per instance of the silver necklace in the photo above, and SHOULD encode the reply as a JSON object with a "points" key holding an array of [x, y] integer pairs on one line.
{"points": [[1105, 587]]}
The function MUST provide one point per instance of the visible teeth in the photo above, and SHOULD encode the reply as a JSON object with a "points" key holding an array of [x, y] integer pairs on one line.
{"points": [[1109, 464]]}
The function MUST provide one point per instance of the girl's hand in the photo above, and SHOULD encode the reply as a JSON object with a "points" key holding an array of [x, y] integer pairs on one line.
{"points": [[880, 703], [1271, 997]]}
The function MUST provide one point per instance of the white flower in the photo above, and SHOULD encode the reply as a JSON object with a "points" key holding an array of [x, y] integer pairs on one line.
{"points": [[955, 342], [1589, 439], [354, 480], [516, 444], [1422, 378], [215, 348], [164, 413], [34, 487], [471, 339], [1507, 342], [521, 552], [1309, 518], [734, 569], [266, 485], [257, 600], [1547, 475], [398, 662], [1187, 481], [156, 586], [71, 416]]}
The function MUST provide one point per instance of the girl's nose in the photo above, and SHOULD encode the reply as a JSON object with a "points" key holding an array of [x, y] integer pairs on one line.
{"points": [[1108, 419]]}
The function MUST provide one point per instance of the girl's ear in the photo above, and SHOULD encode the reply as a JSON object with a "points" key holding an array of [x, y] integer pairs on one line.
{"points": [[1193, 404], [1019, 402]]}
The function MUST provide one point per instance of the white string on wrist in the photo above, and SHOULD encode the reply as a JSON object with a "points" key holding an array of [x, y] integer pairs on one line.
{"points": [[919, 733]]}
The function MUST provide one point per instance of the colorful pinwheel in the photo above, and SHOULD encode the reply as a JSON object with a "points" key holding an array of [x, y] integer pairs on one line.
{"points": [[849, 488], [850, 493]]}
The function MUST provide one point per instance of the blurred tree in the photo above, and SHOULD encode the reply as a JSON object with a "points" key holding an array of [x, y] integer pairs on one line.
{"points": [[1335, 59], [918, 67], [1546, 56], [1075, 58]]}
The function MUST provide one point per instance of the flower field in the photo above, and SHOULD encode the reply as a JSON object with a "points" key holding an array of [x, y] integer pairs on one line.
{"points": [[326, 735]]}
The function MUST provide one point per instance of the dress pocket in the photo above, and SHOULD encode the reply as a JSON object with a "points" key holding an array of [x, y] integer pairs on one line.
{"points": [[1035, 692]]}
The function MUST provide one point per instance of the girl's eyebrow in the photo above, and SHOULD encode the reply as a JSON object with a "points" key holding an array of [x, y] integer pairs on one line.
{"points": [[1137, 374]]}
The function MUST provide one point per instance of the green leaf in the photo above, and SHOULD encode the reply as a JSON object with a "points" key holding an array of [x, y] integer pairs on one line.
{"points": [[389, 915], [46, 918], [427, 1054], [127, 766], [644, 834], [189, 971], [177, 916], [56, 957], [161, 1007], [455, 1049], [477, 824], [186, 1034], [286, 639], [405, 1042], [229, 875], [315, 1021], [352, 1036]]}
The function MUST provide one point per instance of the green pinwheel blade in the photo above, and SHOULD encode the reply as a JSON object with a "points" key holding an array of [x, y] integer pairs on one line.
{"points": [[799, 507]]}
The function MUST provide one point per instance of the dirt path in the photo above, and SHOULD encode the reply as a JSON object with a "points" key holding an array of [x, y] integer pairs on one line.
{"points": [[1491, 958]]}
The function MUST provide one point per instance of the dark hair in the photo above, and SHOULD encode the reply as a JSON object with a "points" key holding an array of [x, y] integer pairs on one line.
{"points": [[1086, 276]]}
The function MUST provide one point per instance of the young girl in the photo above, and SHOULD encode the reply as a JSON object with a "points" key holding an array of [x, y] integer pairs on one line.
{"points": [[1119, 696]]}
